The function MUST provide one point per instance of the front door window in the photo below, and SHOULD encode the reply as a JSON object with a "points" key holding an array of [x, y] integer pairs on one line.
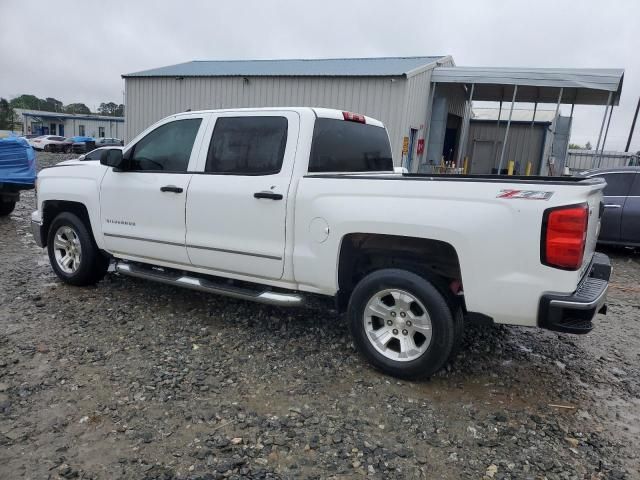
{"points": [[167, 148]]}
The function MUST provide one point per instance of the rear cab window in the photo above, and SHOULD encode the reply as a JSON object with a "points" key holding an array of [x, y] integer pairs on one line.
{"points": [[349, 146]]}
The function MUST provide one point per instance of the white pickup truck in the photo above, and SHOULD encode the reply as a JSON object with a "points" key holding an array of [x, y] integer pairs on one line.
{"points": [[272, 204]]}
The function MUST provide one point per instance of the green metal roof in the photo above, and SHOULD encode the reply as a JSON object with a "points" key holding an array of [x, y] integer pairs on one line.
{"points": [[343, 67]]}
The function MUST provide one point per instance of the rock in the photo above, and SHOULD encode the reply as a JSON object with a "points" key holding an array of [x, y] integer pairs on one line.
{"points": [[573, 442], [491, 470], [42, 348]]}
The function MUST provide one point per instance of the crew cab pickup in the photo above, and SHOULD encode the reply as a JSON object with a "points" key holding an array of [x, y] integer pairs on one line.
{"points": [[275, 204]]}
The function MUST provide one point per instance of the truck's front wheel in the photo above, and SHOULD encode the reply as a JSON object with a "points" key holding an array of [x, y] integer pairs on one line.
{"points": [[73, 253], [401, 323]]}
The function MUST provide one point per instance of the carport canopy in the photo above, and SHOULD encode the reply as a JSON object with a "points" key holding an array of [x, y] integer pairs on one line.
{"points": [[574, 86], [580, 86]]}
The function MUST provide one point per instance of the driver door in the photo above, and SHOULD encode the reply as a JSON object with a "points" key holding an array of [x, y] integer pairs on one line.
{"points": [[143, 206]]}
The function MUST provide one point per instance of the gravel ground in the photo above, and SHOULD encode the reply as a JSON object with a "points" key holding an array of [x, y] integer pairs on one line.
{"points": [[131, 379]]}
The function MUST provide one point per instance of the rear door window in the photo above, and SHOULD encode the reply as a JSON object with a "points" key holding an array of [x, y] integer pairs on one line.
{"points": [[618, 184], [247, 145], [345, 146], [635, 188]]}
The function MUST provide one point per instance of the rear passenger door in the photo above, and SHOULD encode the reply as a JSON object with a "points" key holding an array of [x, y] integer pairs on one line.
{"points": [[615, 194], [630, 226], [237, 198]]}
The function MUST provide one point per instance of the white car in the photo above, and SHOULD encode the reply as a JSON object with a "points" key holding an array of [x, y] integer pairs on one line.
{"points": [[32, 138], [273, 204], [93, 155], [48, 143]]}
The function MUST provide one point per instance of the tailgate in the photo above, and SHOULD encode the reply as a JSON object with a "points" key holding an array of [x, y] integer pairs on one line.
{"points": [[594, 199]]}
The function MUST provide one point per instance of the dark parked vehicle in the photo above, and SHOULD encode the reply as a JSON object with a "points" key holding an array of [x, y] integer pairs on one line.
{"points": [[109, 142], [78, 144], [621, 218]]}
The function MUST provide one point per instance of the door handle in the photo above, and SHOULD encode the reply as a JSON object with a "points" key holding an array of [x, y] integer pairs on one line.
{"points": [[171, 188], [270, 195], [612, 205]]}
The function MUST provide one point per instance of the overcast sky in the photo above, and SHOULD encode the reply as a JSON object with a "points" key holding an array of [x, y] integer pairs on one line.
{"points": [[76, 50]]}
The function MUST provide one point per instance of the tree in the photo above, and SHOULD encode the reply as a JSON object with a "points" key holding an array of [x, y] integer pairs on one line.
{"points": [[53, 105], [31, 102], [27, 101], [588, 146], [111, 109], [107, 108], [77, 108], [575, 146], [6, 115]]}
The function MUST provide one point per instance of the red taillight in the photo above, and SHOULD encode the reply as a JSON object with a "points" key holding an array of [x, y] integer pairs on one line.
{"points": [[354, 117], [564, 236]]}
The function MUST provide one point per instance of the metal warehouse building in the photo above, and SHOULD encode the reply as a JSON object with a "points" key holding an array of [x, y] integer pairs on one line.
{"points": [[393, 90], [425, 102]]}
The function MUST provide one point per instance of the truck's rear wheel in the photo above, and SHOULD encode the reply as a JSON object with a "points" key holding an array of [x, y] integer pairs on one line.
{"points": [[6, 207], [401, 323], [73, 253]]}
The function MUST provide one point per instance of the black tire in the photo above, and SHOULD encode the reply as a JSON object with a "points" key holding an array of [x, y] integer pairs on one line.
{"points": [[93, 264], [445, 327], [6, 207], [47, 148]]}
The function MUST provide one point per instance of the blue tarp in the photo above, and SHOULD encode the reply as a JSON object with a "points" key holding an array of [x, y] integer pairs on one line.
{"points": [[17, 161], [82, 139]]}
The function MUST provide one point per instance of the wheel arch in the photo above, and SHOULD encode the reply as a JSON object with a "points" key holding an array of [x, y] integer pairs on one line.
{"points": [[52, 208], [363, 253]]}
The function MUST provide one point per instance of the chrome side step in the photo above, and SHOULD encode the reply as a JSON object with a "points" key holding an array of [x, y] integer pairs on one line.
{"points": [[209, 286]]}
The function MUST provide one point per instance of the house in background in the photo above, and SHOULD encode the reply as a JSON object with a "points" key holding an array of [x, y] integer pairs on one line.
{"points": [[38, 122]]}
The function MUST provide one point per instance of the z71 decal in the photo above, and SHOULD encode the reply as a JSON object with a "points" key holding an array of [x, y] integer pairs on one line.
{"points": [[525, 194]]}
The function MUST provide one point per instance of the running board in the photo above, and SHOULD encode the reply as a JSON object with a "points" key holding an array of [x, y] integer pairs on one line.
{"points": [[209, 286]]}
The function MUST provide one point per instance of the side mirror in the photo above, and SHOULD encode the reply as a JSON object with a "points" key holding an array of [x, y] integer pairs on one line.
{"points": [[112, 158], [82, 157]]}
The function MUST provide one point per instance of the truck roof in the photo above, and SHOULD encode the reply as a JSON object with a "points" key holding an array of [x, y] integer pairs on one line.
{"points": [[319, 112]]}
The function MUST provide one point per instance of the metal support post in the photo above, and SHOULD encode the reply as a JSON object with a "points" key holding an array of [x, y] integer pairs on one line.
{"points": [[494, 150], [633, 126], [427, 130], [506, 133], [604, 139], [465, 127], [530, 136], [555, 129], [604, 118]]}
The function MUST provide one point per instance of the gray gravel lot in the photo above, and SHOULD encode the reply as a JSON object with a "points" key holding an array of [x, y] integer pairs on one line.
{"points": [[131, 379]]}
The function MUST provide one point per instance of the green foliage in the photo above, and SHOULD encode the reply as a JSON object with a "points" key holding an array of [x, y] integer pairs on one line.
{"points": [[27, 101], [50, 104], [111, 109], [77, 108], [32, 102], [575, 146], [6, 115]]}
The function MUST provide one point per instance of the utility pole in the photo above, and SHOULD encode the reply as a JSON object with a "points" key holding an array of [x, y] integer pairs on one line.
{"points": [[633, 126]]}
